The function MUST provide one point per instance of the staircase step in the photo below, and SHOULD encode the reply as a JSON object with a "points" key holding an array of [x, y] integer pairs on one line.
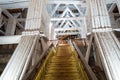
{"points": [[62, 71], [61, 78], [59, 68], [62, 63], [63, 60], [62, 66], [67, 62], [63, 75], [63, 57]]}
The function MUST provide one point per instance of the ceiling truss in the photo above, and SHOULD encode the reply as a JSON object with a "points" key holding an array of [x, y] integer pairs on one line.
{"points": [[68, 17]]}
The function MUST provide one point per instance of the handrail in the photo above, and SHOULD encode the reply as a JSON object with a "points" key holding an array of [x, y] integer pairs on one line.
{"points": [[28, 58], [89, 49], [42, 69], [32, 72], [80, 66], [87, 68]]}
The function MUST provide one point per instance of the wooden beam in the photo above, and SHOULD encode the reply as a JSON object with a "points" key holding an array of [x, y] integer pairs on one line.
{"points": [[67, 25], [21, 19], [65, 2], [78, 10], [66, 18], [62, 23], [13, 4], [87, 68], [89, 49], [17, 63], [25, 3], [62, 15], [68, 33], [104, 62], [20, 26], [13, 21], [11, 26], [112, 7], [100, 17], [64, 29], [34, 16], [10, 39], [54, 10], [7, 14], [110, 49], [102, 29]]}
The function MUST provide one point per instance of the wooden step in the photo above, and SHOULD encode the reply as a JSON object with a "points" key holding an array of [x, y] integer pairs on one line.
{"points": [[63, 57], [62, 62], [61, 78], [62, 66], [62, 71], [63, 75], [56, 68]]}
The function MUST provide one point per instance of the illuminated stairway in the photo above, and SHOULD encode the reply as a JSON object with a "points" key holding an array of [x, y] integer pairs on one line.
{"points": [[63, 66]]}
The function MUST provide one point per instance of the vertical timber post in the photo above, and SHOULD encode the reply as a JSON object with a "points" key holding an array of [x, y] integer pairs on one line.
{"points": [[11, 26]]}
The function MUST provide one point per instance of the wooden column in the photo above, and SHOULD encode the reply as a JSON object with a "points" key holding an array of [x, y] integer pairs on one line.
{"points": [[10, 30], [97, 55], [100, 17], [19, 62], [50, 31], [84, 29], [33, 21]]}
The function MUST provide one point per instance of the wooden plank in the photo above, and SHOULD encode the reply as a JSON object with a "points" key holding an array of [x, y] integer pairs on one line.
{"points": [[100, 15], [16, 64], [88, 70], [112, 7], [38, 64], [10, 39], [34, 17], [67, 18], [11, 26], [105, 47], [110, 55], [89, 49], [65, 2], [28, 58], [104, 62]]}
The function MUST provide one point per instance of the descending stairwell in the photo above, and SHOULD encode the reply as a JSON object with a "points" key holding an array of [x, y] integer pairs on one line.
{"points": [[64, 65]]}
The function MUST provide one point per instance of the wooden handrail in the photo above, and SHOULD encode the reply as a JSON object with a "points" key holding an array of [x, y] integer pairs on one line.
{"points": [[87, 68], [89, 49], [32, 72]]}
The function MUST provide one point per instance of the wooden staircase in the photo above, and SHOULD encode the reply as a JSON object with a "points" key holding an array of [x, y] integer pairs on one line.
{"points": [[63, 66]]}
